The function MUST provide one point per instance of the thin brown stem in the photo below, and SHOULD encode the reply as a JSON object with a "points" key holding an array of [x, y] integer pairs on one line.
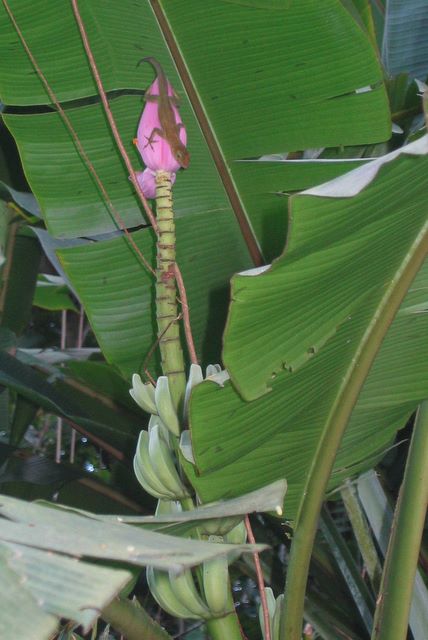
{"points": [[109, 114], [113, 211], [260, 580], [186, 316], [118, 455], [152, 349]]}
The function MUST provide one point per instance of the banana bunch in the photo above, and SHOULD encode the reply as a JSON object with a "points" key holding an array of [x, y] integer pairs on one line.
{"points": [[158, 401], [275, 611], [154, 463], [178, 595]]}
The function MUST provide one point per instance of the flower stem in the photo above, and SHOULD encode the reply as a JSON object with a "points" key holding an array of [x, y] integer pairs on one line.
{"points": [[227, 627], [166, 291]]}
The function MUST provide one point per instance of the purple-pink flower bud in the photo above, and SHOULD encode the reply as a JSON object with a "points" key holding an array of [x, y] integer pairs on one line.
{"points": [[147, 181], [155, 149]]}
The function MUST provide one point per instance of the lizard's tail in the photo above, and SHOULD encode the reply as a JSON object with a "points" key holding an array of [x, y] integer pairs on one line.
{"points": [[155, 64]]}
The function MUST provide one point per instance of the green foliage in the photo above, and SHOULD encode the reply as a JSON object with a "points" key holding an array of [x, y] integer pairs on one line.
{"points": [[41, 550], [404, 44], [264, 79]]}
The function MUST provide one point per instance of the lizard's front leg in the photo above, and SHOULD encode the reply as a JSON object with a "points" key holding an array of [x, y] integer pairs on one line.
{"points": [[150, 140]]}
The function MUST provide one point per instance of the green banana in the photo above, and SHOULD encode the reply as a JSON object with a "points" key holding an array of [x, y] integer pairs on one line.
{"points": [[195, 377], [161, 458], [145, 473], [212, 370], [219, 526], [185, 446], [143, 394], [165, 406], [183, 587], [276, 620], [155, 420], [215, 577], [162, 592], [237, 535], [166, 507], [271, 609]]}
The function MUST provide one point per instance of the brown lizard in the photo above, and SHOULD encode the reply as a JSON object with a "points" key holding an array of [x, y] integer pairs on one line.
{"points": [[170, 129]]}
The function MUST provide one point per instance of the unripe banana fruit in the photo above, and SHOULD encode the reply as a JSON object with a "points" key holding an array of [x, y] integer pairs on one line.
{"points": [[276, 620], [167, 507], [184, 588], [145, 473], [143, 394], [162, 592], [215, 577], [162, 461], [219, 526], [237, 535], [165, 406], [195, 377]]}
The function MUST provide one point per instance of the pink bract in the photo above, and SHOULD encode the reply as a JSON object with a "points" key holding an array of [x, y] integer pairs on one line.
{"points": [[155, 151], [146, 180]]}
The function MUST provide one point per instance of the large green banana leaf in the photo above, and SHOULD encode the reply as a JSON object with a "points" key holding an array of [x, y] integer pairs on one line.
{"points": [[404, 47], [299, 330], [264, 78]]}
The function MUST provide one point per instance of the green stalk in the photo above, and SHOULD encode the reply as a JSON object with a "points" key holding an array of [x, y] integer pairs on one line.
{"points": [[172, 359], [362, 533], [228, 627], [132, 621], [331, 437], [395, 596]]}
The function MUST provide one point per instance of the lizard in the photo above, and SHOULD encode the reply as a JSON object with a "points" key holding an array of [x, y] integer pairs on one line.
{"points": [[169, 130]]}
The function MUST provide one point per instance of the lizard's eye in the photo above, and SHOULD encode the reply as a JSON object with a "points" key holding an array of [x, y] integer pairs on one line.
{"points": [[178, 155]]}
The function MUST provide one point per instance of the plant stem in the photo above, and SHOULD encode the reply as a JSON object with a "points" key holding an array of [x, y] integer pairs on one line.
{"points": [[109, 114], [395, 596], [132, 621], [166, 291], [362, 533], [331, 436], [226, 628]]}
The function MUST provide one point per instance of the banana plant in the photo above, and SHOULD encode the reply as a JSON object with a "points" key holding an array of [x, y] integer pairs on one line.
{"points": [[315, 344]]}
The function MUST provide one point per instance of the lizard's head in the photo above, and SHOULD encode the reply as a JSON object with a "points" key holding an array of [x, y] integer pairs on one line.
{"points": [[182, 156]]}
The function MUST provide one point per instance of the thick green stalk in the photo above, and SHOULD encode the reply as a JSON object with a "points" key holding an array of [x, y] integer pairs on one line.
{"points": [[395, 596], [331, 437], [166, 291], [132, 621], [362, 533], [227, 628]]}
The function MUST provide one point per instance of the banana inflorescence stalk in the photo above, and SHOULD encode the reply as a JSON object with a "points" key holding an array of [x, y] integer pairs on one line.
{"points": [[206, 594]]}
